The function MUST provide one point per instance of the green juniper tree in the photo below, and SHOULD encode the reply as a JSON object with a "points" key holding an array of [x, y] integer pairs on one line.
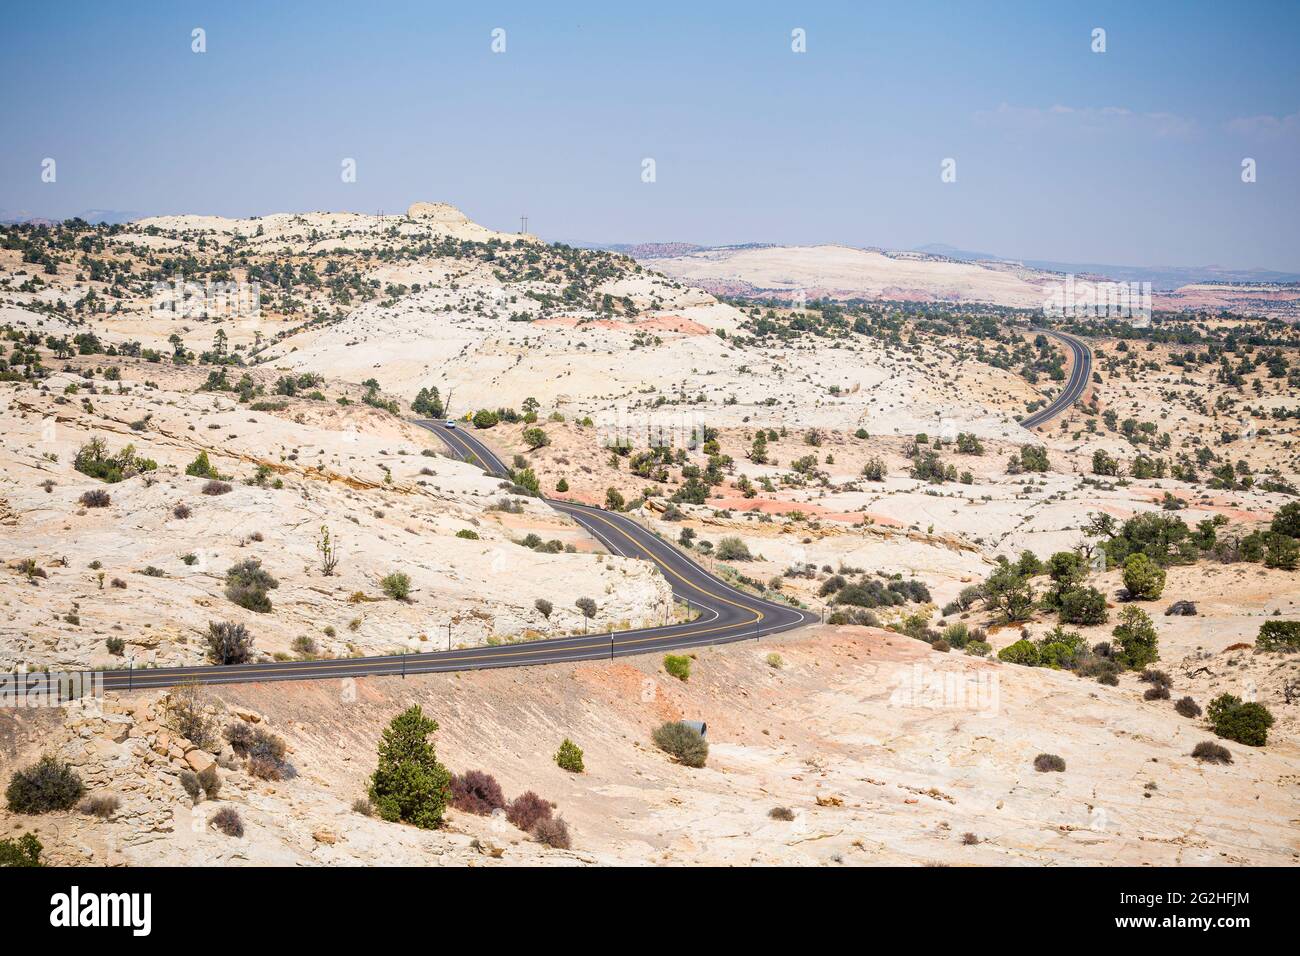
{"points": [[409, 784]]}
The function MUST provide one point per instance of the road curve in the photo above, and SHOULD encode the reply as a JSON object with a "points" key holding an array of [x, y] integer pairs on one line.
{"points": [[726, 614], [1080, 375]]}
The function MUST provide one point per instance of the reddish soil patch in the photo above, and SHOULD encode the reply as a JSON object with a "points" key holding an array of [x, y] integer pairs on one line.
{"points": [[657, 323], [773, 507]]}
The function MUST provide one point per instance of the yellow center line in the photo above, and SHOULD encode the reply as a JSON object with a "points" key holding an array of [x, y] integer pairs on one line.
{"points": [[758, 614], [464, 445], [539, 649]]}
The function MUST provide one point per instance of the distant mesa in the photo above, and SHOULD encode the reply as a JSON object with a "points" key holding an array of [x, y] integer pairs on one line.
{"points": [[440, 212]]}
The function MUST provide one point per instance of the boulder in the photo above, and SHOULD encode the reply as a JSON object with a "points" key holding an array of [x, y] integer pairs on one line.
{"points": [[199, 760]]}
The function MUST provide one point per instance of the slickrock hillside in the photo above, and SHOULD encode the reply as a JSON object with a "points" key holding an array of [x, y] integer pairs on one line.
{"points": [[848, 734], [149, 566], [174, 461]]}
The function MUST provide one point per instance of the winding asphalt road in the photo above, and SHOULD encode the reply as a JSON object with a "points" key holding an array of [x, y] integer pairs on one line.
{"points": [[1080, 375], [726, 614]]}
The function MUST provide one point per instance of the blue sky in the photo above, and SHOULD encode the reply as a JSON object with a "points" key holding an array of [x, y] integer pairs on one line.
{"points": [[1130, 156]]}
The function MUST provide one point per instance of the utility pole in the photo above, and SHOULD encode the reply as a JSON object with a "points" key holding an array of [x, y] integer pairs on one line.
{"points": [[523, 223], [449, 635], [403, 665], [611, 643]]}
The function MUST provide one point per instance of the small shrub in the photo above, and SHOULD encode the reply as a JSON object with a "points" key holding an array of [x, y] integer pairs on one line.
{"points": [[266, 753], [362, 806], [1208, 751], [228, 822], [969, 839], [102, 805], [1021, 652], [190, 781], [678, 665], [181, 511], [247, 584], [569, 757], [544, 607], [784, 814], [733, 549], [1135, 641], [214, 488], [477, 792], [682, 742], [304, 645], [1157, 677], [397, 585], [23, 852], [552, 832], [1159, 692], [239, 735], [264, 768], [94, 459], [1049, 763], [527, 810], [187, 715], [1278, 636], [1187, 707], [229, 643], [1083, 606], [201, 467], [116, 646], [1144, 579], [44, 786], [98, 498], [210, 781], [1246, 723], [774, 661]]}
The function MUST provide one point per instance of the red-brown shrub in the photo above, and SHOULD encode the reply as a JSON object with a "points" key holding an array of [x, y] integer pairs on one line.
{"points": [[527, 809], [476, 791]]}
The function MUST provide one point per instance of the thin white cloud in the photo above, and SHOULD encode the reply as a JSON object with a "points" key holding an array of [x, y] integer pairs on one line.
{"points": [[1266, 127], [1088, 120]]}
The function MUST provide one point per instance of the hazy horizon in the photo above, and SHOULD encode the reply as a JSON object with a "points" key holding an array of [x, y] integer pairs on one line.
{"points": [[1132, 156]]}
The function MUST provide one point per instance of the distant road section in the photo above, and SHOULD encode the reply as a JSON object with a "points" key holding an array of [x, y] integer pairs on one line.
{"points": [[1080, 375]]}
